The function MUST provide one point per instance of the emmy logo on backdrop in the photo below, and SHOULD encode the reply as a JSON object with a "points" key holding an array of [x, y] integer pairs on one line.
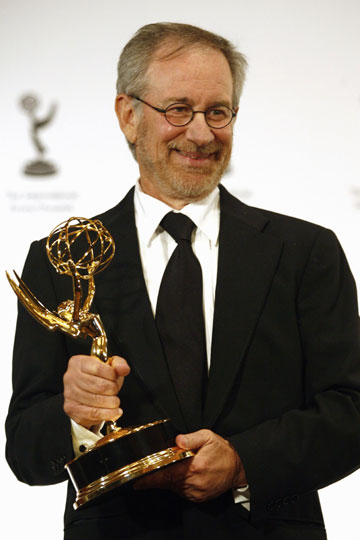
{"points": [[39, 166], [81, 248]]}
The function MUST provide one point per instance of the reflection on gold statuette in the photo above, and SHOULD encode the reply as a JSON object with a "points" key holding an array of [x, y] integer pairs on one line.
{"points": [[81, 248]]}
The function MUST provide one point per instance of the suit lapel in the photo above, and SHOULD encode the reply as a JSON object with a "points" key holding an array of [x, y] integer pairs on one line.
{"points": [[122, 301], [247, 262]]}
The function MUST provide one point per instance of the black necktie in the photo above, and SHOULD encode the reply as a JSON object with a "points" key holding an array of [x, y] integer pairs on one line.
{"points": [[180, 320]]}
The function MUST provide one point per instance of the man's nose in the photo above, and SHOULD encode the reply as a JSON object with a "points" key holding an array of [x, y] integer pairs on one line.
{"points": [[198, 131]]}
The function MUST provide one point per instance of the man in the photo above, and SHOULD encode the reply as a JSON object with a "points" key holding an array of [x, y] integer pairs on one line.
{"points": [[279, 407]]}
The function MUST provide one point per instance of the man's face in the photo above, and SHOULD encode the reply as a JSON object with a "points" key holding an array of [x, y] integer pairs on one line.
{"points": [[183, 164]]}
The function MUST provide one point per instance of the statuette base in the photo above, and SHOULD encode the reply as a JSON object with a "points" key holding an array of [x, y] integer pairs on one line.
{"points": [[39, 168], [110, 462]]}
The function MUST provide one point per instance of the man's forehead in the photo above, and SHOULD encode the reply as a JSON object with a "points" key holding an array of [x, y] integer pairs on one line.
{"points": [[175, 64]]}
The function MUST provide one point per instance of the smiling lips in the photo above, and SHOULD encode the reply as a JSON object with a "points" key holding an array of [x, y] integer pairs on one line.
{"points": [[195, 155], [199, 155]]}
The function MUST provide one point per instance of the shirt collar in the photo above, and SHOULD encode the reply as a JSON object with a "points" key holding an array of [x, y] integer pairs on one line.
{"points": [[150, 211]]}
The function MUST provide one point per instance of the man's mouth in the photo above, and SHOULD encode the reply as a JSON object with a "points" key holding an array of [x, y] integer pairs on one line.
{"points": [[195, 155]]}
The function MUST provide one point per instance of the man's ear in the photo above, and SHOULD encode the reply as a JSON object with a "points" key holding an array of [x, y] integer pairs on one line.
{"points": [[236, 110], [127, 117]]}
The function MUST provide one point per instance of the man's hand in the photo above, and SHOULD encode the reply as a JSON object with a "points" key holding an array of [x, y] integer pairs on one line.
{"points": [[215, 468], [91, 389]]}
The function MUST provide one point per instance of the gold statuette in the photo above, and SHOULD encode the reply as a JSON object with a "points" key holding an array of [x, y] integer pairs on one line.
{"points": [[81, 248]]}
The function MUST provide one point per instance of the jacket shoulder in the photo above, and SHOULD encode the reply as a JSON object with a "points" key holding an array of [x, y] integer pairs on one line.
{"points": [[285, 227]]}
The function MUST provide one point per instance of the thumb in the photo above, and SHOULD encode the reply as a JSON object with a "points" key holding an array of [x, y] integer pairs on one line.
{"points": [[193, 441], [121, 368], [120, 365]]}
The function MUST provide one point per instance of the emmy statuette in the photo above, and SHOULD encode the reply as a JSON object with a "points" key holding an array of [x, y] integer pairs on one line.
{"points": [[81, 248], [40, 166]]}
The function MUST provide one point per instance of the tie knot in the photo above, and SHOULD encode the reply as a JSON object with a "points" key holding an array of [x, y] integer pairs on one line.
{"points": [[178, 226]]}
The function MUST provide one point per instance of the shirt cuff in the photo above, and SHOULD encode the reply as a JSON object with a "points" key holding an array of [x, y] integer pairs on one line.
{"points": [[83, 438], [242, 496]]}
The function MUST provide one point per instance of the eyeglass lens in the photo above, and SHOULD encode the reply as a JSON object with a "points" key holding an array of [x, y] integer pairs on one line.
{"points": [[179, 114]]}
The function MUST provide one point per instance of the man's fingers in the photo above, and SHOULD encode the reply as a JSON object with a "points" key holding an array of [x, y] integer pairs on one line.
{"points": [[90, 374], [195, 440], [97, 385], [166, 478], [91, 399], [158, 480], [94, 366], [91, 389], [90, 416]]}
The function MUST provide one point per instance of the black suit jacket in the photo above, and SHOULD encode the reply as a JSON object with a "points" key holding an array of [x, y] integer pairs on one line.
{"points": [[284, 382]]}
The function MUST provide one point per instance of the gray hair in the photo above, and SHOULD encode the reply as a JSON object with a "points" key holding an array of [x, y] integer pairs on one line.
{"points": [[137, 54]]}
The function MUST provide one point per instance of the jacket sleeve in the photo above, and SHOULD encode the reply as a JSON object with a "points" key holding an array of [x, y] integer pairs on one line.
{"points": [[38, 431], [309, 448]]}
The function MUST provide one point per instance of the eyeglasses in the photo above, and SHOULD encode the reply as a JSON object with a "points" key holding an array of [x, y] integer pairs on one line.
{"points": [[180, 114]]}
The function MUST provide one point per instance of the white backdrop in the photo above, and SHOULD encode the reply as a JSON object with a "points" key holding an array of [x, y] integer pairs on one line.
{"points": [[296, 149]]}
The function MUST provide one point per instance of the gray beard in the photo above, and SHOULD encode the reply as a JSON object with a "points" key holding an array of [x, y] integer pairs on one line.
{"points": [[176, 184]]}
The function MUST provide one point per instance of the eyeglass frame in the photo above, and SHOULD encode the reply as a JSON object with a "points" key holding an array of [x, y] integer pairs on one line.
{"points": [[164, 111]]}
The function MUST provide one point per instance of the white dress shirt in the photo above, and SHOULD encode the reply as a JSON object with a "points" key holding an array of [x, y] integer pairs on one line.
{"points": [[156, 247]]}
